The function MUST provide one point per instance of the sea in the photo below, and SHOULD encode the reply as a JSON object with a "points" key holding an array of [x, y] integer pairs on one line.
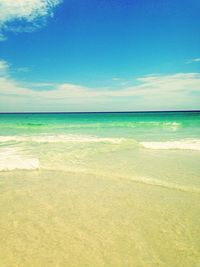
{"points": [[100, 189]]}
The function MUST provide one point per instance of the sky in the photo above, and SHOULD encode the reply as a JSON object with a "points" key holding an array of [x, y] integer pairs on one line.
{"points": [[92, 55]]}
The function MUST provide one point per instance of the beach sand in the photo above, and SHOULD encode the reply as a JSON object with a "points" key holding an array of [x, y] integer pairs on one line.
{"points": [[65, 219]]}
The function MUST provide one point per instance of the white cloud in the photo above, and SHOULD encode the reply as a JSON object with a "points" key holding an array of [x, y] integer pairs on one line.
{"points": [[152, 92], [32, 12]]}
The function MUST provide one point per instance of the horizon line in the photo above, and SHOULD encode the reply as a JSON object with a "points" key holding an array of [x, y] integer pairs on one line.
{"points": [[98, 112]]}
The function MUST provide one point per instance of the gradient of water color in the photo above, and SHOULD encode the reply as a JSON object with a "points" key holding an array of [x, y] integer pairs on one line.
{"points": [[101, 189]]}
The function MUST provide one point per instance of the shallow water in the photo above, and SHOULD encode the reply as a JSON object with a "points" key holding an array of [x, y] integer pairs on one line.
{"points": [[100, 189]]}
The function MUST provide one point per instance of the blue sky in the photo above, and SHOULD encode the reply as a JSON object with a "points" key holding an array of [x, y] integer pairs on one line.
{"points": [[91, 55]]}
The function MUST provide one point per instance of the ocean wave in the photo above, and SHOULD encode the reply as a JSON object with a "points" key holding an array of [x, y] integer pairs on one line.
{"points": [[158, 123], [184, 144], [62, 138], [173, 125], [12, 159]]}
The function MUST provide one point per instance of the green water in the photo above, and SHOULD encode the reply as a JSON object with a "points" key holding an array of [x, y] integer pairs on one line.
{"points": [[115, 189]]}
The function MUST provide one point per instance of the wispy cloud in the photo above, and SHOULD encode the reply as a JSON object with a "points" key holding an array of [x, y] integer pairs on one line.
{"points": [[196, 59], [193, 60], [151, 92], [23, 69], [30, 14], [4, 66]]}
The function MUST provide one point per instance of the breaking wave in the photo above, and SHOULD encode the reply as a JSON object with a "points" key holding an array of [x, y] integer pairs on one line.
{"points": [[62, 138], [186, 144], [123, 124]]}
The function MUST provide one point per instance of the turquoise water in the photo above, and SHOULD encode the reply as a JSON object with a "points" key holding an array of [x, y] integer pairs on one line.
{"points": [[163, 125], [100, 189], [86, 138]]}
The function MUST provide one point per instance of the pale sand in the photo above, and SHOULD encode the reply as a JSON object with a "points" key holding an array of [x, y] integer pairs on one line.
{"points": [[63, 219]]}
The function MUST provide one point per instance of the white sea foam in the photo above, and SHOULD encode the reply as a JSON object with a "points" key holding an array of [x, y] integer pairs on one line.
{"points": [[11, 159], [159, 123], [61, 138], [181, 144], [167, 125]]}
